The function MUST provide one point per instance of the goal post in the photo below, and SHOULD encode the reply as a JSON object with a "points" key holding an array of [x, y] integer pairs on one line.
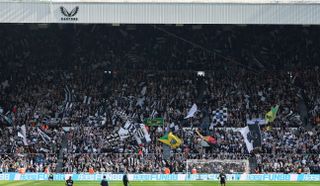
{"points": [[215, 166]]}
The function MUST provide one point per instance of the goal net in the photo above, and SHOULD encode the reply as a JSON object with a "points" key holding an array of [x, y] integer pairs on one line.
{"points": [[216, 166]]}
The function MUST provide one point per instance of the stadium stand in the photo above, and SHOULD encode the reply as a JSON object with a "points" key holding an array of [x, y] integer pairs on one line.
{"points": [[66, 91]]}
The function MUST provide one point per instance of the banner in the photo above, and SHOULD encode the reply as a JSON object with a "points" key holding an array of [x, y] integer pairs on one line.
{"points": [[154, 122], [162, 177], [259, 121]]}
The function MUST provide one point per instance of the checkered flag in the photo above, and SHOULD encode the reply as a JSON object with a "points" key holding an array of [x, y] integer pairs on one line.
{"points": [[219, 116]]}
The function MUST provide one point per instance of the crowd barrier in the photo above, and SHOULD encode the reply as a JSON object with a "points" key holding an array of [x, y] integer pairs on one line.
{"points": [[163, 177]]}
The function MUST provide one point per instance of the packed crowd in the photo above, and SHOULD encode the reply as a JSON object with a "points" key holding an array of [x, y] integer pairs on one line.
{"points": [[64, 104], [30, 162], [287, 163]]}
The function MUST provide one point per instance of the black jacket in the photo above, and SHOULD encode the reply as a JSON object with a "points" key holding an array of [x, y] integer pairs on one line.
{"points": [[125, 178], [104, 183]]}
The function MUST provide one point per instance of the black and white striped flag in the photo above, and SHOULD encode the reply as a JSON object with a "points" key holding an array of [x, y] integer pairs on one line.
{"points": [[293, 118], [123, 133], [113, 140], [23, 134], [130, 127], [69, 99], [87, 100], [69, 95], [153, 114], [135, 131], [141, 135], [97, 119], [44, 136]]}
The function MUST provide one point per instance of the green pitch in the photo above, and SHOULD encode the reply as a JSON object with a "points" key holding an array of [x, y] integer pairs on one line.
{"points": [[154, 183]]}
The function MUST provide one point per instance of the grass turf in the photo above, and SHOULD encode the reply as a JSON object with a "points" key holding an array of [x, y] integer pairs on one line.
{"points": [[157, 183]]}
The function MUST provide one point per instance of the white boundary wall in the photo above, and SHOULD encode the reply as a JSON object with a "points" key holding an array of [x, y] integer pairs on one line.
{"points": [[161, 11]]}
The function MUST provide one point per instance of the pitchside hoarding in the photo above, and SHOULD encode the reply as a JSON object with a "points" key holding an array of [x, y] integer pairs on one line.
{"points": [[163, 177]]}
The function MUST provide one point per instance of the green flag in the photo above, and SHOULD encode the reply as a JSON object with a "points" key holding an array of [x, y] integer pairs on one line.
{"points": [[272, 114], [170, 139], [154, 121]]}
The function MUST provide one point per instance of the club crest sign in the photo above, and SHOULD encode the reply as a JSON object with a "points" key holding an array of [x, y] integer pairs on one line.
{"points": [[69, 15]]}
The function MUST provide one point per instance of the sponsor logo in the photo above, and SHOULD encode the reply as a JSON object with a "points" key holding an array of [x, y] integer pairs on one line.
{"points": [[69, 16]]}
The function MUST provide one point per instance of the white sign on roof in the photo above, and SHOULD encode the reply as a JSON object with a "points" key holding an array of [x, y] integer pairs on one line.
{"points": [[161, 11], [179, 1]]}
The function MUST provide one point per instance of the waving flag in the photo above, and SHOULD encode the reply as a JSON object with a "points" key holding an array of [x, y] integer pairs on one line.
{"points": [[6, 119], [44, 136], [192, 111], [245, 132], [219, 116], [293, 118], [141, 135], [252, 136], [171, 140], [209, 139], [255, 134], [99, 119], [23, 134], [272, 114]]}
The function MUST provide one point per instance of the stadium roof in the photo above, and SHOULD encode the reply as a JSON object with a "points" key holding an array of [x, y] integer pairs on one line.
{"points": [[161, 11], [181, 1]]}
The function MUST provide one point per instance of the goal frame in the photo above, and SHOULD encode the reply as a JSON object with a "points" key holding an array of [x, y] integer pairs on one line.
{"points": [[245, 161]]}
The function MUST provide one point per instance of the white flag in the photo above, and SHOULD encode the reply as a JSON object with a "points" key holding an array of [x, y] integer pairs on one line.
{"points": [[192, 111], [245, 131], [23, 134]]}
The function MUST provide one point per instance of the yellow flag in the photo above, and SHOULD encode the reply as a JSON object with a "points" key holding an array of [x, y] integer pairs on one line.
{"points": [[272, 114], [172, 140]]}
